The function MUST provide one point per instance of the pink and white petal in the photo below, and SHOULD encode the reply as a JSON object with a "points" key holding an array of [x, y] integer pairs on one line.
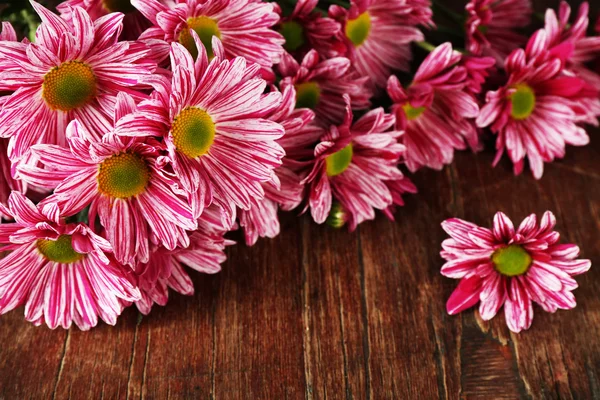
{"points": [[180, 280], [503, 229], [466, 295], [320, 198], [492, 296], [518, 309], [18, 272]]}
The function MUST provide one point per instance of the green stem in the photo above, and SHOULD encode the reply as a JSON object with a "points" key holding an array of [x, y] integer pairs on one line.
{"points": [[425, 46]]}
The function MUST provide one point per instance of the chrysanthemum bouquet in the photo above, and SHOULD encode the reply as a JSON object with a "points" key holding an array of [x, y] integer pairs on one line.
{"points": [[135, 134]]}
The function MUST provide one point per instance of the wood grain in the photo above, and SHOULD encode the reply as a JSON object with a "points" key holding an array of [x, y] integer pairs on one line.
{"points": [[319, 313]]}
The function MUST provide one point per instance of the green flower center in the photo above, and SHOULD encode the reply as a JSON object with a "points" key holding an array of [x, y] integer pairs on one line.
{"points": [[522, 101], [206, 28], [512, 260], [59, 250], [413, 112], [293, 33], [193, 132], [123, 6], [69, 86], [339, 161], [357, 30], [308, 95], [123, 175]]}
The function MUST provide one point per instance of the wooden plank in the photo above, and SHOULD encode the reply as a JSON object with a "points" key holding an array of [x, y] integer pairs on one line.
{"points": [[335, 343], [30, 358], [258, 321]]}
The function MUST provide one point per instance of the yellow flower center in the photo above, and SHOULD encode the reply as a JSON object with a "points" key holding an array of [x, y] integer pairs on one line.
{"points": [[59, 250], [308, 95], [339, 161], [357, 30], [522, 102], [293, 33], [69, 86], [206, 28], [193, 132], [123, 6], [512, 260], [123, 175], [413, 112]]}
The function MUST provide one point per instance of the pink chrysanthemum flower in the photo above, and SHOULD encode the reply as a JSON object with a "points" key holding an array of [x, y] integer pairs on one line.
{"points": [[60, 272], [352, 164], [120, 179], [210, 117], [536, 113], [491, 26], [437, 111], [165, 269], [74, 70], [134, 23], [320, 85], [261, 219], [377, 34], [586, 48], [243, 26], [305, 28], [510, 268], [7, 182]]}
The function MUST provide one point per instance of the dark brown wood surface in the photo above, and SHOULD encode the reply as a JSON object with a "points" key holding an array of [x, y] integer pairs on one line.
{"points": [[321, 313]]}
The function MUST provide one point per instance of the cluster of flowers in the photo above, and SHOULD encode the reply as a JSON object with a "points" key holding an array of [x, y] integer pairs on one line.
{"points": [[135, 134]]}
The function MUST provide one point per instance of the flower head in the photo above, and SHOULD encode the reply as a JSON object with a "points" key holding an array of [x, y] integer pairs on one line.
{"points": [[352, 164], [63, 273], [510, 267], [305, 28], [491, 26], [122, 182], [211, 118], [74, 70], [377, 34], [437, 111], [586, 48], [537, 112], [242, 26], [320, 85]]}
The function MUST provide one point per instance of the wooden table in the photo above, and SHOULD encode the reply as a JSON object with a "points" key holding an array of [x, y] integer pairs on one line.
{"points": [[323, 313]]}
